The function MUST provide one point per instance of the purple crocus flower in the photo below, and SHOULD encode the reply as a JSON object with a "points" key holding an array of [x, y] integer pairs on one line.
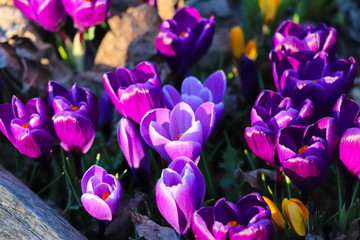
{"points": [[76, 116], [347, 115], [249, 218], [49, 14], [135, 92], [249, 78], [270, 113], [102, 193], [87, 13], [184, 39], [134, 148], [303, 75], [180, 131], [194, 93], [295, 38], [303, 158], [27, 127], [179, 192]]}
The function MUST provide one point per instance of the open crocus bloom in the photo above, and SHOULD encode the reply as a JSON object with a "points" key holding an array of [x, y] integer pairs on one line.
{"points": [[194, 93], [185, 38], [134, 92], [102, 193], [303, 75], [180, 131], [270, 113], [49, 14], [87, 13], [27, 127], [76, 115], [179, 192], [249, 218], [296, 38]]}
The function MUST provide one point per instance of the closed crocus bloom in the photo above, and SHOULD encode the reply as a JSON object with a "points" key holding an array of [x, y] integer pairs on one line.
{"points": [[304, 159], [102, 193], [179, 192], [296, 215], [134, 148], [276, 215], [194, 93], [237, 41], [249, 79], [49, 14], [106, 114], [27, 127], [296, 38], [134, 92], [268, 10], [76, 115], [249, 218], [180, 131], [251, 49], [270, 113], [299, 76], [184, 39], [87, 13]]}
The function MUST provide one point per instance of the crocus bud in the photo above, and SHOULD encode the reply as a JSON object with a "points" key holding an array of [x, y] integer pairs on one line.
{"points": [[251, 49], [249, 79], [179, 192], [237, 41], [87, 13], [106, 115], [134, 148], [102, 193], [276, 215], [296, 215], [268, 10], [49, 14]]}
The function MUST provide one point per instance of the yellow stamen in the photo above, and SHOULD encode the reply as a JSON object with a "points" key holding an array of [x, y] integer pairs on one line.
{"points": [[74, 108], [178, 137], [183, 34], [302, 149], [105, 195], [25, 125], [233, 223]]}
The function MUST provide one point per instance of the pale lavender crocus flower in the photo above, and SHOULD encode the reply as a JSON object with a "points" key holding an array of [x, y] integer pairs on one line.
{"points": [[102, 193]]}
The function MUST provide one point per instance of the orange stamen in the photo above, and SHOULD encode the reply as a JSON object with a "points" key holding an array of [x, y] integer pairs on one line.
{"points": [[105, 195], [178, 137], [74, 108], [233, 223], [302, 149], [25, 125], [183, 34]]}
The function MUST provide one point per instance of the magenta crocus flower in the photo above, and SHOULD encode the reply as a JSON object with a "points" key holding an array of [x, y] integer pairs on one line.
{"points": [[179, 192], [184, 39], [87, 13], [27, 127], [248, 219], [296, 38], [304, 157], [346, 112], [180, 131], [134, 92], [76, 116], [49, 14], [270, 113], [303, 75], [194, 93], [134, 148], [102, 193]]}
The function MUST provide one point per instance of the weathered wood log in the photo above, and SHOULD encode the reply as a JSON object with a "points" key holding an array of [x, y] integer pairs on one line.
{"points": [[23, 215]]}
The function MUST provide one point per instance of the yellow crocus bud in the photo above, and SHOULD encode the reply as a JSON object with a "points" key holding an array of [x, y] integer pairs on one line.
{"points": [[296, 215], [276, 216], [268, 10], [251, 49], [237, 41]]}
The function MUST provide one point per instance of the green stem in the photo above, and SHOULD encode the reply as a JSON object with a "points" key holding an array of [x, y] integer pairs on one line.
{"points": [[33, 174], [338, 180], [50, 184], [208, 176]]}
